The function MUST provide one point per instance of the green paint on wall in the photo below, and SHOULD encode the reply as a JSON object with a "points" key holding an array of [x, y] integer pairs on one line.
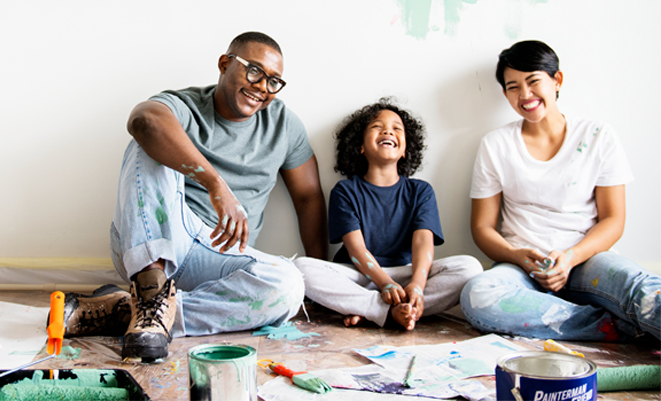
{"points": [[451, 9], [415, 17], [512, 31]]}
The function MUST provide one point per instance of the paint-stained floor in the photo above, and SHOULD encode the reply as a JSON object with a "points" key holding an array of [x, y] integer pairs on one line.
{"points": [[332, 348]]}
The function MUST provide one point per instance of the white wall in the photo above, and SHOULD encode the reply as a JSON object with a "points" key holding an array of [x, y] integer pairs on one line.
{"points": [[71, 71]]}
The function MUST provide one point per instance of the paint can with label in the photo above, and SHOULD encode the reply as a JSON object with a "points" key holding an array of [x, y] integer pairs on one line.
{"points": [[545, 376], [222, 372]]}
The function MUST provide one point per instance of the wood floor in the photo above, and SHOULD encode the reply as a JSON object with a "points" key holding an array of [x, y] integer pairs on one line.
{"points": [[331, 349]]}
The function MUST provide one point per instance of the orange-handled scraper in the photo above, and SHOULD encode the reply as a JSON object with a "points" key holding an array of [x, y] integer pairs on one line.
{"points": [[55, 331]]}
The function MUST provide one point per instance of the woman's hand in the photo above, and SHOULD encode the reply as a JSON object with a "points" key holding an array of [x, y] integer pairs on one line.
{"points": [[393, 294], [528, 259], [555, 277]]}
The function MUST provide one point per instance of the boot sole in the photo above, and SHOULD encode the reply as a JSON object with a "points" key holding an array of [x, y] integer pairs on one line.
{"points": [[145, 345]]}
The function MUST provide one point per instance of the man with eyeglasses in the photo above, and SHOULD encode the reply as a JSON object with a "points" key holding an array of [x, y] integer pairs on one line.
{"points": [[192, 191]]}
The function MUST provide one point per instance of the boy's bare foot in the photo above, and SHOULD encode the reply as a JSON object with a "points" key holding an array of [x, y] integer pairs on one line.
{"points": [[404, 314], [353, 320]]}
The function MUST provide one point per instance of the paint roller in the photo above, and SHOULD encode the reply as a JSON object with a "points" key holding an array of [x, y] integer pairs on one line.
{"points": [[637, 377], [36, 389]]}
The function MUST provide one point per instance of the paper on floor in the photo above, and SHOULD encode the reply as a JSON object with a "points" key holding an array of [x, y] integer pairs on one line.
{"points": [[22, 333]]}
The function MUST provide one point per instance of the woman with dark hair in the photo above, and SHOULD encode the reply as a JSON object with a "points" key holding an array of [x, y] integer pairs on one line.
{"points": [[388, 224], [558, 184]]}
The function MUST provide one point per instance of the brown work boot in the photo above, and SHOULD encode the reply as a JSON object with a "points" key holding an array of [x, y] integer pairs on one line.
{"points": [[106, 312], [153, 309]]}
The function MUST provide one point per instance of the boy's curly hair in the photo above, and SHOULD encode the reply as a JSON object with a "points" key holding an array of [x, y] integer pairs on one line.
{"points": [[349, 139]]}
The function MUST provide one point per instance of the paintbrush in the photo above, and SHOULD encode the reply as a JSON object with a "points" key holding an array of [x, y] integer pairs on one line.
{"points": [[304, 380], [408, 382]]}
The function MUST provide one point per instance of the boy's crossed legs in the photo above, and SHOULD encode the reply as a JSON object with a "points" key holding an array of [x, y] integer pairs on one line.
{"points": [[344, 289]]}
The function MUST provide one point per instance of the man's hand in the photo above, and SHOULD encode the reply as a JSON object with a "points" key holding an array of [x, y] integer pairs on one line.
{"points": [[232, 219], [393, 294]]}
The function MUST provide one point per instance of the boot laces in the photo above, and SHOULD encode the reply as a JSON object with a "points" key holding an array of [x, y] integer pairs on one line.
{"points": [[151, 312]]}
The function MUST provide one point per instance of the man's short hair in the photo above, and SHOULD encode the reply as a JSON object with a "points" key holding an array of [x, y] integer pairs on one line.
{"points": [[248, 37]]}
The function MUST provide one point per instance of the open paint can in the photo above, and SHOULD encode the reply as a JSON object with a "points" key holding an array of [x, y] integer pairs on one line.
{"points": [[545, 376], [222, 372]]}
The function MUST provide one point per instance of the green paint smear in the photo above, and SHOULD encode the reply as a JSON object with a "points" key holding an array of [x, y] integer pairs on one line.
{"points": [[287, 330], [256, 305], [235, 322], [281, 299], [415, 17], [240, 299], [520, 304], [471, 366], [512, 31], [69, 353], [160, 215], [452, 19]]}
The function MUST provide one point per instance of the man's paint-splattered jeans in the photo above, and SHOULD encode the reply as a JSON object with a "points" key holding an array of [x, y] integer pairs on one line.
{"points": [[216, 292], [607, 298]]}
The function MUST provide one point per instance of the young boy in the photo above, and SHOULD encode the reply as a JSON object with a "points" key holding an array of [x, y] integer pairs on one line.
{"points": [[388, 225]]}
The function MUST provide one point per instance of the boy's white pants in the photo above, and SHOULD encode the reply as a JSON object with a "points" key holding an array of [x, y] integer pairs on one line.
{"points": [[344, 289]]}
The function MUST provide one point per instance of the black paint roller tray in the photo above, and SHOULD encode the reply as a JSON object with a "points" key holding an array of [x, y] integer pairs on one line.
{"points": [[70, 384]]}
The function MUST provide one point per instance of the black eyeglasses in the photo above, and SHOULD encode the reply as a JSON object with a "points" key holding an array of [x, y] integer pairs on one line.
{"points": [[255, 74]]}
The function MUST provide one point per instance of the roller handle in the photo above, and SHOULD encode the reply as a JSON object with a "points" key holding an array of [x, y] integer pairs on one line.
{"points": [[56, 324]]}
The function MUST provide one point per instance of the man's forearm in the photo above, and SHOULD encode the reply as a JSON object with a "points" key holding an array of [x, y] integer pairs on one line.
{"points": [[313, 228]]}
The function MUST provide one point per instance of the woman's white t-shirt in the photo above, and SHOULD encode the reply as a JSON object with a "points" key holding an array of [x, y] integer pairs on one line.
{"points": [[549, 205]]}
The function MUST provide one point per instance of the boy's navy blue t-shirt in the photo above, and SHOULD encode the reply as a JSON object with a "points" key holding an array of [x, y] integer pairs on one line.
{"points": [[386, 216]]}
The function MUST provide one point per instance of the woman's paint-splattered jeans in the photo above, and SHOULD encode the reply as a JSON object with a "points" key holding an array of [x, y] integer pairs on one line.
{"points": [[216, 292], [607, 298]]}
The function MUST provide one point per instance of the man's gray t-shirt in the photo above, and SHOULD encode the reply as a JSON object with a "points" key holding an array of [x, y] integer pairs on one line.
{"points": [[247, 154]]}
